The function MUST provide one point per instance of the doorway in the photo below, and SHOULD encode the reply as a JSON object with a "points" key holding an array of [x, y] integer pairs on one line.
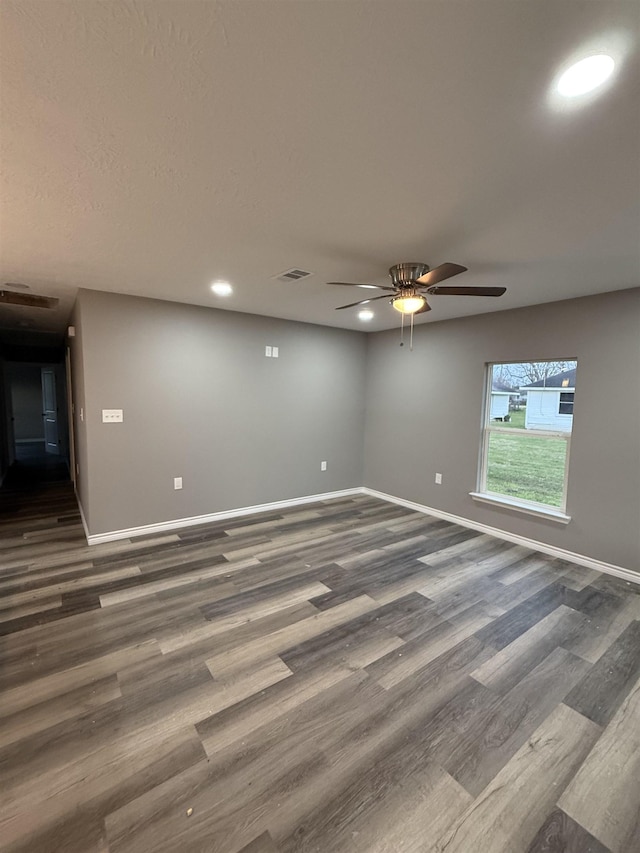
{"points": [[37, 429]]}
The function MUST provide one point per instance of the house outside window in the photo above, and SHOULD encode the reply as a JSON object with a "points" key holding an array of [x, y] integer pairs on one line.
{"points": [[528, 419]]}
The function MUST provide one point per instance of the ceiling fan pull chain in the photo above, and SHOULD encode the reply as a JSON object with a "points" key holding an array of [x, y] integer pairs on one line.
{"points": [[402, 330], [411, 344]]}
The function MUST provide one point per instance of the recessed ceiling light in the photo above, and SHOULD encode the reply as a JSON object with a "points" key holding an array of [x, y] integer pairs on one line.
{"points": [[365, 315], [222, 288], [586, 75]]}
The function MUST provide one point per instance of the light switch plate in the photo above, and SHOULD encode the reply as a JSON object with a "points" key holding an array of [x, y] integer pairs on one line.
{"points": [[274, 352], [112, 416]]}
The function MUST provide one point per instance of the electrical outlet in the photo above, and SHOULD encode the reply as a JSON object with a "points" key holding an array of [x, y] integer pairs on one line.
{"points": [[267, 351], [439, 479], [177, 482], [112, 416], [323, 466], [274, 352]]}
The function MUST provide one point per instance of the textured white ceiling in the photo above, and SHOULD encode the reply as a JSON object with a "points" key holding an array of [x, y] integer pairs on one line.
{"points": [[153, 147]]}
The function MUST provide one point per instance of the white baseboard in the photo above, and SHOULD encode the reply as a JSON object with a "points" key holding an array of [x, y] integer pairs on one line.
{"points": [[533, 544], [551, 550], [168, 526]]}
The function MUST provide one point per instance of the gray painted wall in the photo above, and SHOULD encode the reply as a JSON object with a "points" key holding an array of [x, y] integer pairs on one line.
{"points": [[424, 415], [202, 402]]}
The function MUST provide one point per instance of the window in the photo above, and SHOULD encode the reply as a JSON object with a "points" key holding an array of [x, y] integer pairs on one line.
{"points": [[566, 403], [526, 436]]}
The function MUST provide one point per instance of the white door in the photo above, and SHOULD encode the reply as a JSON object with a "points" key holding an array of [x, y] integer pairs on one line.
{"points": [[50, 411]]}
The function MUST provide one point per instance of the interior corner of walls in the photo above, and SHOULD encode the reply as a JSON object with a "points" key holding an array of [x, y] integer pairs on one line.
{"points": [[83, 518]]}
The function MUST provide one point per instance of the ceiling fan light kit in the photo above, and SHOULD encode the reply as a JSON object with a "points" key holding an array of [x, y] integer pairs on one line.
{"points": [[409, 304]]}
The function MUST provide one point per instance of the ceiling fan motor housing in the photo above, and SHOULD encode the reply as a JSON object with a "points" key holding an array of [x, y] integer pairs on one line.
{"points": [[406, 275]]}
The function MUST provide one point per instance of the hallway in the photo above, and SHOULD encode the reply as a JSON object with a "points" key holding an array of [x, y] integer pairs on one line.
{"points": [[34, 485]]}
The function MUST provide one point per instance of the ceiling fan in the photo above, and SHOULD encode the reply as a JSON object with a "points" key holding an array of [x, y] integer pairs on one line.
{"points": [[413, 282], [16, 296]]}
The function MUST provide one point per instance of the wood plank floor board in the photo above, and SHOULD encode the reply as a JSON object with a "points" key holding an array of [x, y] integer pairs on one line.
{"points": [[260, 648], [504, 630], [11, 614], [608, 583], [560, 834], [455, 597], [265, 572], [508, 813], [373, 806], [605, 686], [376, 578], [41, 577], [75, 703], [243, 718], [74, 822], [28, 593], [481, 548], [489, 728], [144, 720], [349, 675], [605, 628], [417, 653], [406, 617], [34, 692], [519, 591], [252, 776], [342, 644], [46, 615], [378, 742], [248, 611], [604, 796], [514, 661], [262, 844], [248, 598], [392, 737]]}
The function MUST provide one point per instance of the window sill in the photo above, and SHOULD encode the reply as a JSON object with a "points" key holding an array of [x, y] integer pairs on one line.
{"points": [[519, 506]]}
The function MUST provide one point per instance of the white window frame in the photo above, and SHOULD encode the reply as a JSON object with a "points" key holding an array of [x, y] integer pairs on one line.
{"points": [[483, 494]]}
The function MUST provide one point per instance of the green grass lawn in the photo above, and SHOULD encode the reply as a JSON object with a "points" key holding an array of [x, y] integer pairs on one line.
{"points": [[528, 468]]}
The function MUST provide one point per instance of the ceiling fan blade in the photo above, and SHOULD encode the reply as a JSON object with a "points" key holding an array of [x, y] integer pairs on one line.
{"points": [[426, 307], [440, 273], [467, 291], [353, 284], [30, 300], [362, 302]]}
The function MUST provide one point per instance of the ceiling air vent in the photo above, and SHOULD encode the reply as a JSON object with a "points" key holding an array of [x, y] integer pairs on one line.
{"points": [[28, 300], [294, 274]]}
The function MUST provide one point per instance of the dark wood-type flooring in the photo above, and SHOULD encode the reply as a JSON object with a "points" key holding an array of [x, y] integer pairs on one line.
{"points": [[344, 676]]}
